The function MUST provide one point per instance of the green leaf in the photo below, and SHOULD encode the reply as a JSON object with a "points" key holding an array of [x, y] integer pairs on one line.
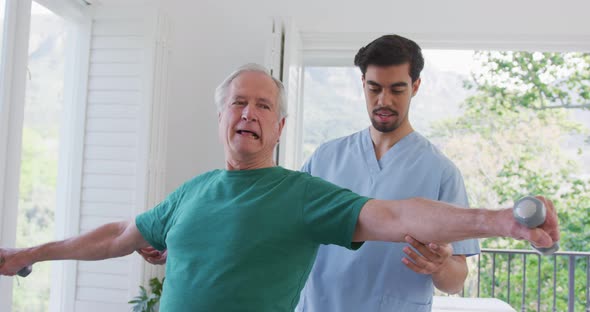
{"points": [[145, 302]]}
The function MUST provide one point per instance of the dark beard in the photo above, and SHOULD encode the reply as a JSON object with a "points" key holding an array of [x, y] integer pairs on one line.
{"points": [[385, 128]]}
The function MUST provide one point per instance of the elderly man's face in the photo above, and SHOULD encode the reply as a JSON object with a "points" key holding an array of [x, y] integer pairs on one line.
{"points": [[249, 125]]}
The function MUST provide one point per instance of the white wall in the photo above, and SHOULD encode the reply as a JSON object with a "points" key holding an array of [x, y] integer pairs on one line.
{"points": [[450, 16], [211, 38]]}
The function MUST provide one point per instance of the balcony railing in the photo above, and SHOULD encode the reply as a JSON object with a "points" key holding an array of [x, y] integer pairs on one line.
{"points": [[572, 258]]}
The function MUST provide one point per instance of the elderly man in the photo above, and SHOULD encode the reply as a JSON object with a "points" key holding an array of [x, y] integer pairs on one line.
{"points": [[245, 238]]}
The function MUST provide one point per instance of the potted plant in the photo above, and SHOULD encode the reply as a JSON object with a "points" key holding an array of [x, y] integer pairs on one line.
{"points": [[148, 302]]}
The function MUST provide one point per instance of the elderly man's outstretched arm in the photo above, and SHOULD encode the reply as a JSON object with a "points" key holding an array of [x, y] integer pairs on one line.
{"points": [[438, 222], [108, 241]]}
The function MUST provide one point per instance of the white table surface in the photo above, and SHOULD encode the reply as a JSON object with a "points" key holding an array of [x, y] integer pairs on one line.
{"points": [[459, 304]]}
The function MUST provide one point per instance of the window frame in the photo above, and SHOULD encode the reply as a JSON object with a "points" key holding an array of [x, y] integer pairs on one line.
{"points": [[12, 91], [338, 49]]}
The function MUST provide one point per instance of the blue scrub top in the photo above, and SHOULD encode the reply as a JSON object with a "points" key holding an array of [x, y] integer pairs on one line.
{"points": [[373, 278]]}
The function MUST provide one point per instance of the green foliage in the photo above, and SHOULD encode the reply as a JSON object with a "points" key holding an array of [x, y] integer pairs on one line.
{"points": [[38, 164], [509, 143], [35, 215], [515, 80], [511, 293], [145, 302]]}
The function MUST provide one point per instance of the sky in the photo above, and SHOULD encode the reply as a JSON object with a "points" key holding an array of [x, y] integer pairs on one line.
{"points": [[458, 61]]}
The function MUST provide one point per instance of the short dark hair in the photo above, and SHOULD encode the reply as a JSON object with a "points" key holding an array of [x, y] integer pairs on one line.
{"points": [[391, 50]]}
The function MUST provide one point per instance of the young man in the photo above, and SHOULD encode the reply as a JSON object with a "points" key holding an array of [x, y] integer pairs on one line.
{"points": [[244, 238], [389, 160]]}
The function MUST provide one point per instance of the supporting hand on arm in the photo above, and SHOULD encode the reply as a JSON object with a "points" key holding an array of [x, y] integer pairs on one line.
{"points": [[448, 272], [108, 241], [152, 255]]}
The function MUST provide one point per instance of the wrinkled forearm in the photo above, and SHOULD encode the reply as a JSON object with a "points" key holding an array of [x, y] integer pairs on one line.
{"points": [[107, 241], [427, 221], [433, 221], [451, 277]]}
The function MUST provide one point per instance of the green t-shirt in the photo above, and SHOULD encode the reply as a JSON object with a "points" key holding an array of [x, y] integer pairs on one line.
{"points": [[246, 240]]}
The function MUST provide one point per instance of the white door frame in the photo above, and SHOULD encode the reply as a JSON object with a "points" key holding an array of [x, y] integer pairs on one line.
{"points": [[12, 95]]}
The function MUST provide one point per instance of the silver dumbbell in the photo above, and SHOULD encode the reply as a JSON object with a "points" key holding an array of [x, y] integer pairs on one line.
{"points": [[531, 212]]}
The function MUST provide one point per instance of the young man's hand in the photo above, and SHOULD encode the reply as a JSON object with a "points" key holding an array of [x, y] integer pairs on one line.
{"points": [[152, 255], [430, 258]]}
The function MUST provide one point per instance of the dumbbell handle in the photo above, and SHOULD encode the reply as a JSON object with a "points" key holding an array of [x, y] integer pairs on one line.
{"points": [[531, 212], [24, 272]]}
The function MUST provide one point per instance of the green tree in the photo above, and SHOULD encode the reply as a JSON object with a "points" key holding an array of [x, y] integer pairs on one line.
{"points": [[36, 213], [510, 81], [510, 140]]}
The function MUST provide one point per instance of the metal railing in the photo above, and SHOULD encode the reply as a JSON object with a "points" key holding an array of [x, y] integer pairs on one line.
{"points": [[524, 254]]}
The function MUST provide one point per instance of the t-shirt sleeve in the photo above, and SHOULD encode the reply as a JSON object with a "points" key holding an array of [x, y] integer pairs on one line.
{"points": [[452, 190], [330, 212], [155, 223]]}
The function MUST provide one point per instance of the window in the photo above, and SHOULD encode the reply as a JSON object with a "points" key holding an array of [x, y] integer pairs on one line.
{"points": [[40, 146], [522, 126], [43, 111], [334, 106]]}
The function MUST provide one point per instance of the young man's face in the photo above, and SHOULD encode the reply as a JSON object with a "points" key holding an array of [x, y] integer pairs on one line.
{"points": [[249, 125], [388, 93]]}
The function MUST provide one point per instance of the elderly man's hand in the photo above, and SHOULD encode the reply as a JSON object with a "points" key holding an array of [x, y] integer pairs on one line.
{"points": [[152, 255], [430, 259], [543, 236], [12, 261]]}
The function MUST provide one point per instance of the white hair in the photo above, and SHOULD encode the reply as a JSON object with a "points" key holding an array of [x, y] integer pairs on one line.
{"points": [[221, 92]]}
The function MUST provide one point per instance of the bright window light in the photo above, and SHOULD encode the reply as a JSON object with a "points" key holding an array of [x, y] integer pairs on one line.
{"points": [[40, 150]]}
